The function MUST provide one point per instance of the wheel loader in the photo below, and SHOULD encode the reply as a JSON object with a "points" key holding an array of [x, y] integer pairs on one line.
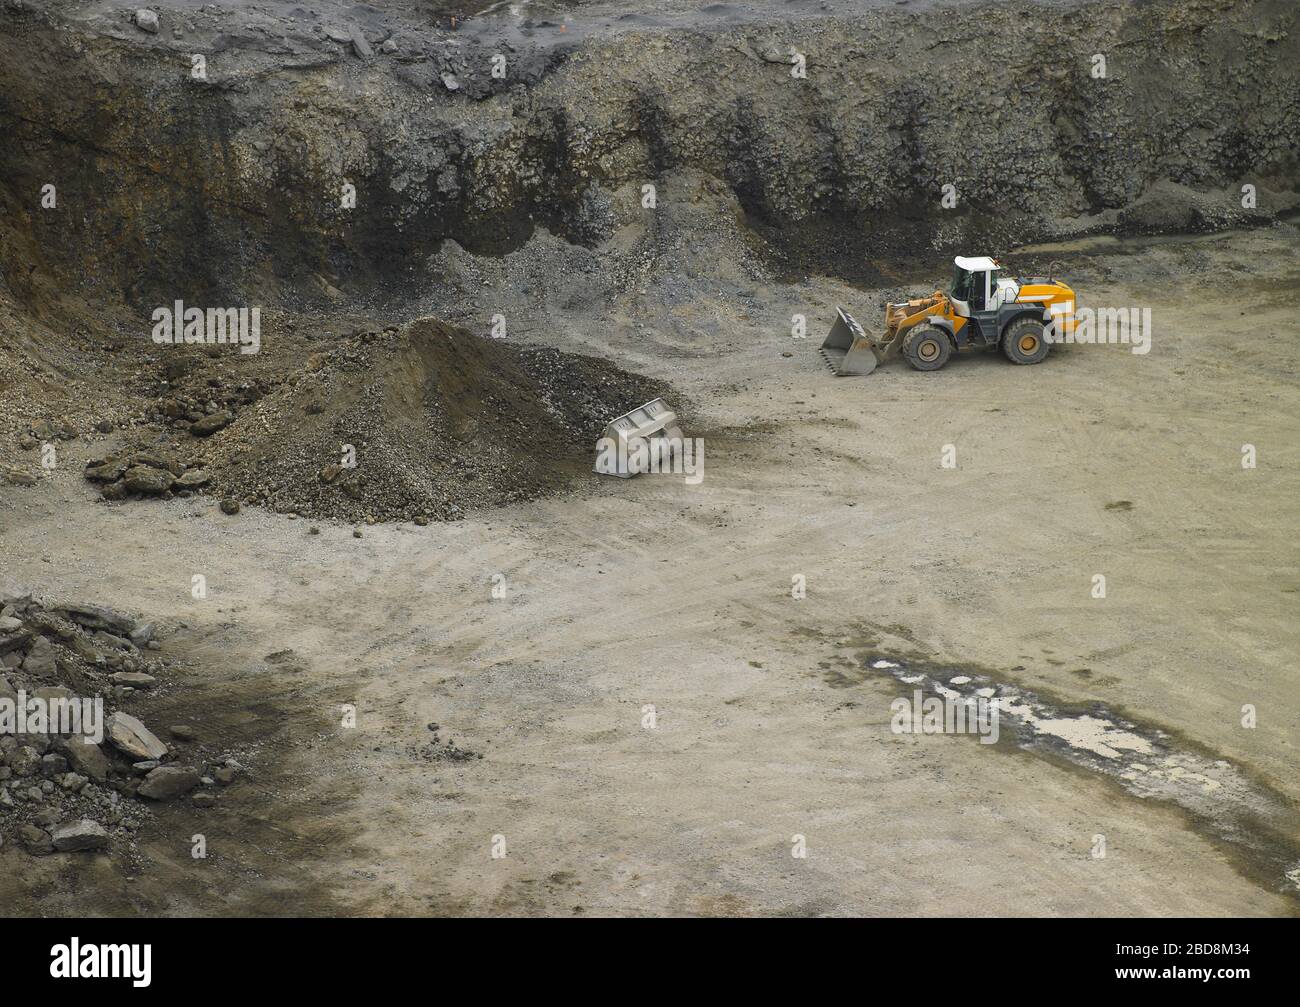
{"points": [[986, 308]]}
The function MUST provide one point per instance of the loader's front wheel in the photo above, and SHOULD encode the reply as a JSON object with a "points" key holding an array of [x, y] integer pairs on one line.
{"points": [[1023, 342], [927, 348]]}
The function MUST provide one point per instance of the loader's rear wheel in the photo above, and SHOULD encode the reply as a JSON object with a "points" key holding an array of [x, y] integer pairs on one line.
{"points": [[927, 348], [1023, 342]]}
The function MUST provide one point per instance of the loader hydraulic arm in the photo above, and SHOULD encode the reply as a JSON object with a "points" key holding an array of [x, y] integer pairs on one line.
{"points": [[901, 317]]}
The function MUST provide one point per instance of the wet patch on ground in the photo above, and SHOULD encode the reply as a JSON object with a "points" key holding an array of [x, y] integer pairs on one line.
{"points": [[1255, 825]]}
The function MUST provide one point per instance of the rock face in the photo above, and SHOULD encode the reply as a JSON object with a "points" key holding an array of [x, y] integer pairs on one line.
{"points": [[130, 736], [168, 782], [863, 137], [81, 835]]}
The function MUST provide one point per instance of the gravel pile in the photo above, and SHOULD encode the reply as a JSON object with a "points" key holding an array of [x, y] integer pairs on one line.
{"points": [[422, 423]]}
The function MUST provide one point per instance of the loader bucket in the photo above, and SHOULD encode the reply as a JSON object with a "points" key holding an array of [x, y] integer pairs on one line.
{"points": [[847, 349]]}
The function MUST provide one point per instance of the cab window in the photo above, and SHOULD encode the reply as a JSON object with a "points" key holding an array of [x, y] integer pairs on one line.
{"points": [[961, 285]]}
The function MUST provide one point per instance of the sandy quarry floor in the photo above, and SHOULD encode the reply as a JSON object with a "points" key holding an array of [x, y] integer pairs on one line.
{"points": [[656, 592]]}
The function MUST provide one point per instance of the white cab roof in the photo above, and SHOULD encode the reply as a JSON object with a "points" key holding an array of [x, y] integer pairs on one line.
{"points": [[975, 265]]}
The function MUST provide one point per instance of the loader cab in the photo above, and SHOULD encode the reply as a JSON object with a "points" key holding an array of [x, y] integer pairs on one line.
{"points": [[974, 284]]}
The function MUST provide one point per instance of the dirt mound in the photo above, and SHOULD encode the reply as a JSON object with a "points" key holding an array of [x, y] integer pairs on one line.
{"points": [[428, 421]]}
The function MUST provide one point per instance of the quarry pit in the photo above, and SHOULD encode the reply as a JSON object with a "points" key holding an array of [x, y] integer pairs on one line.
{"points": [[475, 234]]}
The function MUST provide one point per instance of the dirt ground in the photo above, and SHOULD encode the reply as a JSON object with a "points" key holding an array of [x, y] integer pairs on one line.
{"points": [[653, 592]]}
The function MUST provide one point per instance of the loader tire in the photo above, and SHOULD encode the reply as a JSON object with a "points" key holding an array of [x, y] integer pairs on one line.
{"points": [[927, 348], [1023, 342]]}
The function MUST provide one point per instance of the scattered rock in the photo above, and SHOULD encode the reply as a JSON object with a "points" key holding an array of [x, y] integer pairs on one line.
{"points": [[87, 758], [146, 20], [229, 506], [133, 738], [80, 835], [211, 424], [25, 761], [192, 479], [14, 641], [40, 661], [35, 841], [134, 679], [19, 477], [97, 617], [148, 480], [142, 634], [168, 782]]}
